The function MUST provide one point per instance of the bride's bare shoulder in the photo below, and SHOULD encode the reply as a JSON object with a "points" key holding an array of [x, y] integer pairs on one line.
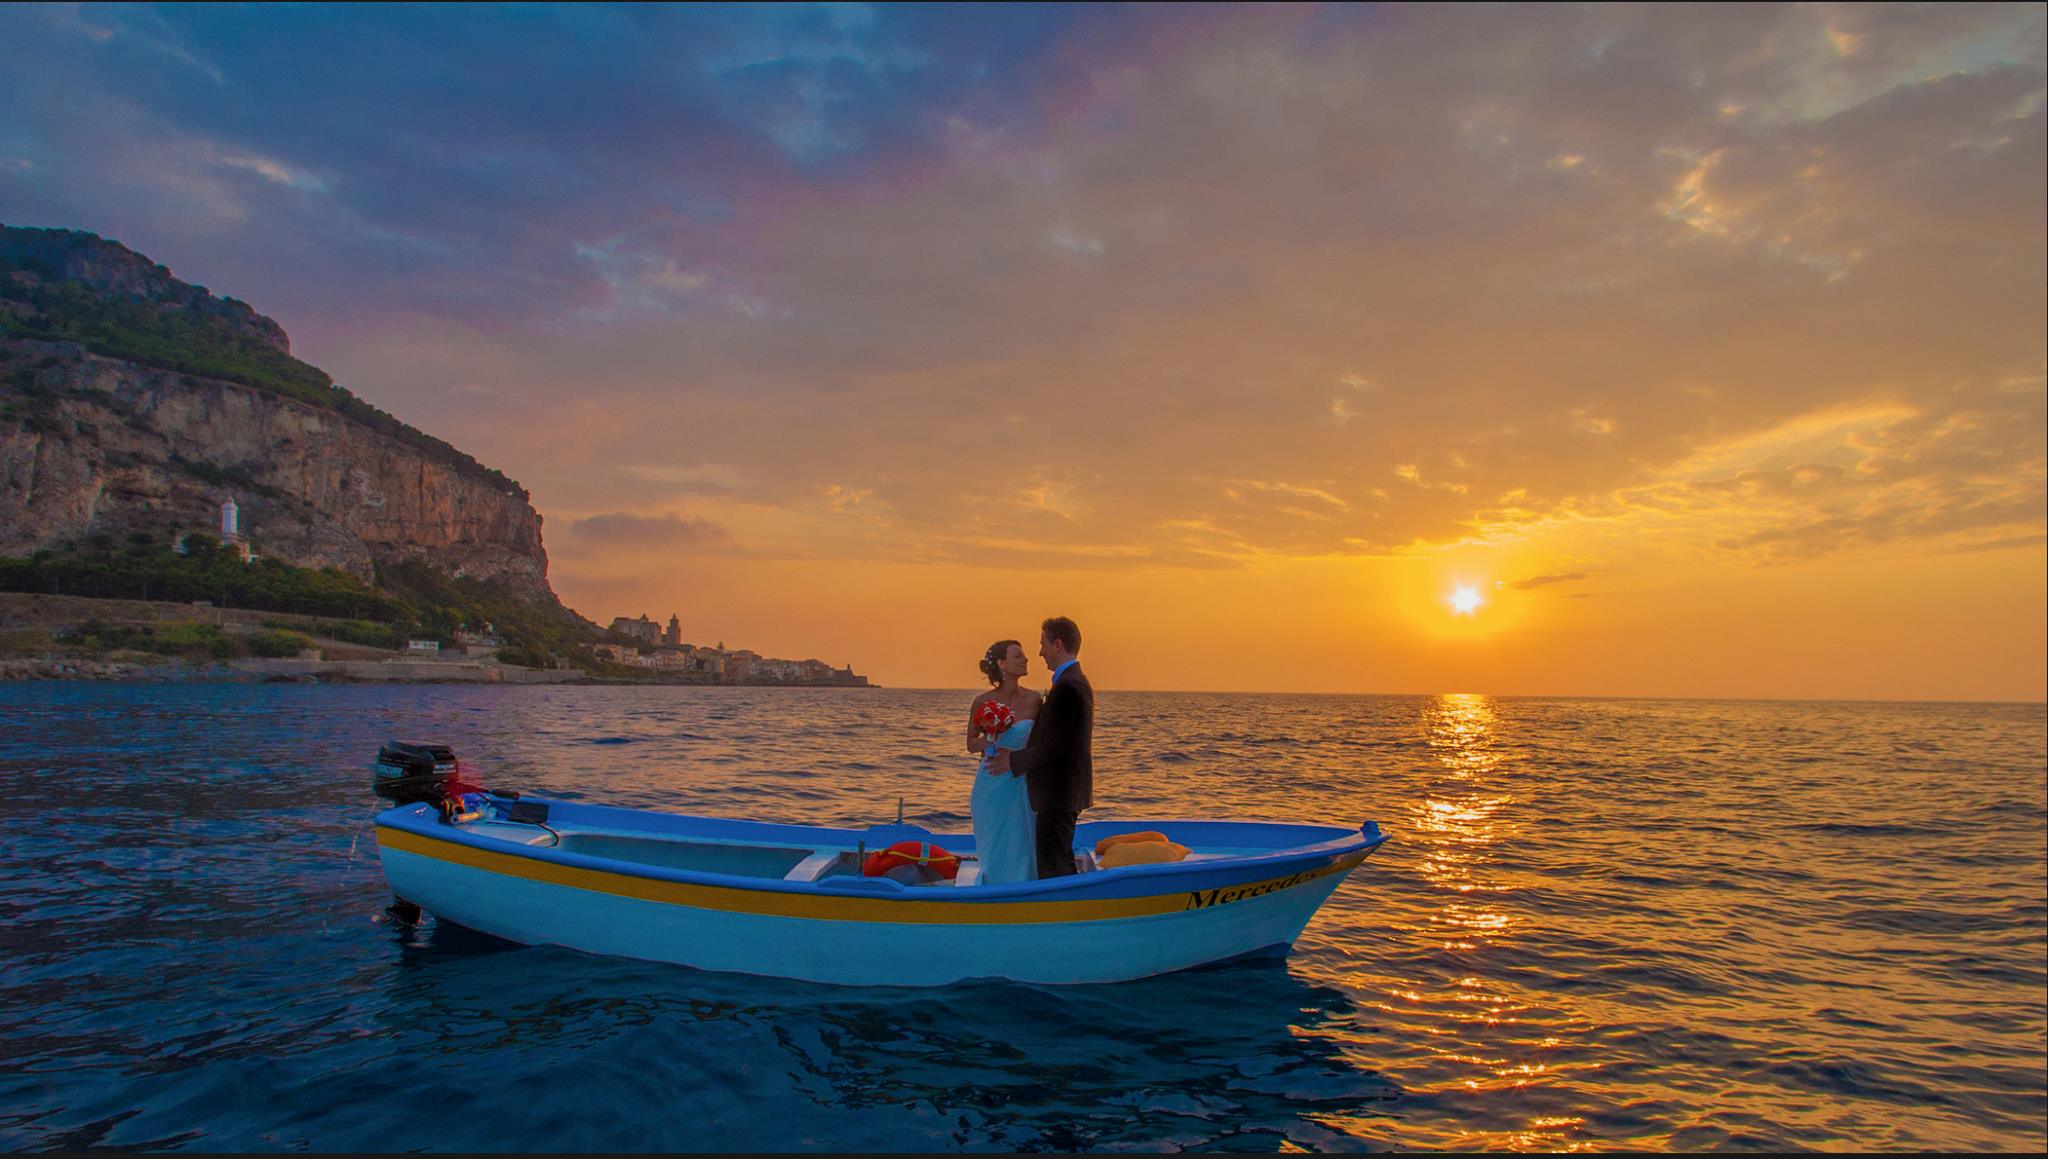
{"points": [[984, 698]]}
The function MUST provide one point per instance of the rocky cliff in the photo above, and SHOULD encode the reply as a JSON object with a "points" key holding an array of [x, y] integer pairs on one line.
{"points": [[107, 431]]}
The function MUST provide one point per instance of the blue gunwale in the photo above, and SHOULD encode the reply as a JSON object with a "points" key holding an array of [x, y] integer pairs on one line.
{"points": [[1306, 848]]}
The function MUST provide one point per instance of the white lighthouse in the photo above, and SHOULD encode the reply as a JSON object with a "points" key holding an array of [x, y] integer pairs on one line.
{"points": [[231, 538]]}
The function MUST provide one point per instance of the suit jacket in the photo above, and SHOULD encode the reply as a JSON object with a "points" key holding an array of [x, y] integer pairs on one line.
{"points": [[1058, 762]]}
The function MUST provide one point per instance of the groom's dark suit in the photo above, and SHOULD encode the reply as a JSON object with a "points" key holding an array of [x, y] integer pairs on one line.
{"points": [[1058, 767]]}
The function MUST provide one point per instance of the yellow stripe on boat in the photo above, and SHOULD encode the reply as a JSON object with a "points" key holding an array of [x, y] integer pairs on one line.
{"points": [[841, 907]]}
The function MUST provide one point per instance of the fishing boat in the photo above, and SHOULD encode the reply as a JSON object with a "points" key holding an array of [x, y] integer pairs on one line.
{"points": [[796, 901]]}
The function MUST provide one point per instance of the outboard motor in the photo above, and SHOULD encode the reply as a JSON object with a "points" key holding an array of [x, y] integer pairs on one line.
{"points": [[409, 773]]}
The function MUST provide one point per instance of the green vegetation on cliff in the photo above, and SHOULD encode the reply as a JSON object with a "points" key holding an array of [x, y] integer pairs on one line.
{"points": [[415, 602], [192, 640], [154, 335], [154, 572], [531, 630]]}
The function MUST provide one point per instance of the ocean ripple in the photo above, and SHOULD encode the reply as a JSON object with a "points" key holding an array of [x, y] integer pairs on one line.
{"points": [[1599, 924]]}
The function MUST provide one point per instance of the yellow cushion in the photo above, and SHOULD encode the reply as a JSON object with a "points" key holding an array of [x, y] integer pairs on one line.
{"points": [[1142, 853], [1107, 843]]}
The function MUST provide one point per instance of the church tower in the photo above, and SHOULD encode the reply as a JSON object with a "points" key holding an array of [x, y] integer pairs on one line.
{"points": [[674, 635]]}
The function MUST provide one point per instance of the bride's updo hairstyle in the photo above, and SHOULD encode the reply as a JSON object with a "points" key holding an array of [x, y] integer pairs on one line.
{"points": [[992, 660]]}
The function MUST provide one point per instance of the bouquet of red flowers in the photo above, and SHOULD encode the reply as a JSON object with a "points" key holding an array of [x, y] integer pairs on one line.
{"points": [[993, 719]]}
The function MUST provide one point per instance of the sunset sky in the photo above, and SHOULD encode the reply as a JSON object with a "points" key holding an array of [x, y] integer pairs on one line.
{"points": [[1703, 348]]}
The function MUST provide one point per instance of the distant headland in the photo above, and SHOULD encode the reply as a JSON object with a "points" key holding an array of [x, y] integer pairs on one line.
{"points": [[179, 494]]}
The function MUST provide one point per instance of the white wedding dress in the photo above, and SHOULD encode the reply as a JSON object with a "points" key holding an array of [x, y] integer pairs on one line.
{"points": [[1005, 830]]}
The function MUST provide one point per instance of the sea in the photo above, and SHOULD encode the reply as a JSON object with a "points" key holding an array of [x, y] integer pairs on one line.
{"points": [[1598, 925]]}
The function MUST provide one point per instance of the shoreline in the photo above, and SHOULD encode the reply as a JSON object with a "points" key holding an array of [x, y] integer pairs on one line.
{"points": [[32, 648], [263, 671]]}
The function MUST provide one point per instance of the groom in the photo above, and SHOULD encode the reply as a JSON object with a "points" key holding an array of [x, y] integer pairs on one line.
{"points": [[1058, 762]]}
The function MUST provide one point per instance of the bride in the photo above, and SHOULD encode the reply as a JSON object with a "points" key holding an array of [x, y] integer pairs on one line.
{"points": [[1005, 843]]}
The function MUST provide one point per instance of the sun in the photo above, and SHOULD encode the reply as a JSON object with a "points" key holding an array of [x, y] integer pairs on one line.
{"points": [[1465, 599]]}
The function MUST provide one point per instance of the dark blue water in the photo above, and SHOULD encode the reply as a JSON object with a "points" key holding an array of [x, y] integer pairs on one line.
{"points": [[1600, 924]]}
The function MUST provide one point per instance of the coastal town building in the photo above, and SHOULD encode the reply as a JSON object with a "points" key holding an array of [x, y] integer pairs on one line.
{"points": [[479, 645], [674, 636], [616, 653], [642, 629], [695, 663]]}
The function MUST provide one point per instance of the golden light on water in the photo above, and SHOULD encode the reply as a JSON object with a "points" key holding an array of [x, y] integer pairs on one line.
{"points": [[1460, 821], [1460, 826]]}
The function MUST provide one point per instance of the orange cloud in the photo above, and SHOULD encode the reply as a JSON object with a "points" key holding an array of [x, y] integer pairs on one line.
{"points": [[1693, 302]]}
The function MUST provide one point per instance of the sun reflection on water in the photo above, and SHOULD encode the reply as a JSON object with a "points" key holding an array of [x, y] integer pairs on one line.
{"points": [[1487, 1043], [1462, 819]]}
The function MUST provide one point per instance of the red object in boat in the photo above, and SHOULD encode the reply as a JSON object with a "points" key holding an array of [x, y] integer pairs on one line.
{"points": [[904, 853]]}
